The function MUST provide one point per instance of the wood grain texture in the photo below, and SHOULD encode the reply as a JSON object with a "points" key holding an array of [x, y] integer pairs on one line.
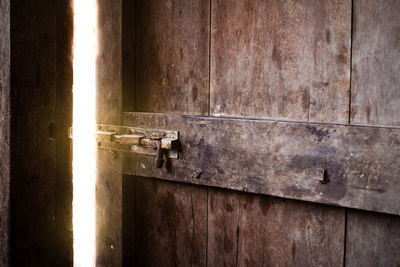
{"points": [[254, 230], [283, 159], [109, 108], [373, 239], [171, 223], [109, 62], [281, 59], [223, 227], [172, 52], [375, 96], [277, 232], [108, 209], [4, 131]]}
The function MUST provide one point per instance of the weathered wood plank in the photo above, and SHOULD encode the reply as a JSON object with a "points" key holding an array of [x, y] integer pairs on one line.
{"points": [[280, 158], [281, 59], [170, 224], [109, 108], [223, 229], [279, 232], [278, 59], [254, 230], [4, 131], [109, 62], [375, 96], [109, 209], [172, 66], [373, 239]]}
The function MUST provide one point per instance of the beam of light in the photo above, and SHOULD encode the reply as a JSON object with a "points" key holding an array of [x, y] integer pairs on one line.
{"points": [[84, 155]]}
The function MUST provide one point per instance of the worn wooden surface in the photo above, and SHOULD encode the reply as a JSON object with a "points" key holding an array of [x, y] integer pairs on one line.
{"points": [[4, 131], [292, 63], [172, 66], [41, 80], [223, 230], [281, 158], [109, 108], [266, 231], [171, 70], [108, 209], [373, 238], [281, 59], [170, 223], [375, 96], [109, 62]]}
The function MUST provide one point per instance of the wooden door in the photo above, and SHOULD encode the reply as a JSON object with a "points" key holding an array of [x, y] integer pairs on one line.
{"points": [[272, 162], [35, 117]]}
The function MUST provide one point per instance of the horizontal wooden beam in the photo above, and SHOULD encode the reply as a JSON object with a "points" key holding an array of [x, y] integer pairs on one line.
{"points": [[343, 165]]}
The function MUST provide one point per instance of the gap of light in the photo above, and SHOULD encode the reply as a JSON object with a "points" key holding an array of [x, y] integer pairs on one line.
{"points": [[84, 147]]}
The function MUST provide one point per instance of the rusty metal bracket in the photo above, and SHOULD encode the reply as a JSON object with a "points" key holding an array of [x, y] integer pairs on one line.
{"points": [[137, 140]]}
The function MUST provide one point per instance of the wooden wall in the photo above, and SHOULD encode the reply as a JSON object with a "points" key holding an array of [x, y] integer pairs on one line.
{"points": [[4, 130], [292, 60]]}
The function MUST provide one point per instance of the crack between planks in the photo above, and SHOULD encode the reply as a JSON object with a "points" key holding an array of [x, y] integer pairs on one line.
{"points": [[207, 228], [209, 60], [351, 58], [345, 237], [194, 231], [237, 235]]}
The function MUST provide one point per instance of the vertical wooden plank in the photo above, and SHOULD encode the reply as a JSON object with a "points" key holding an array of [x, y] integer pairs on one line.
{"points": [[281, 59], [109, 108], [166, 45], [4, 131], [289, 233], [375, 95], [108, 209], [172, 66], [171, 223], [109, 66], [223, 227], [372, 238], [253, 230]]}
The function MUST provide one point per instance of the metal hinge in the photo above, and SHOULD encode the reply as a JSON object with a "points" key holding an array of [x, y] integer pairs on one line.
{"points": [[138, 140]]}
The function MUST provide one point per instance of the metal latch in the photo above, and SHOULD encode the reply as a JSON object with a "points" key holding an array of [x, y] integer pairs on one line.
{"points": [[138, 140]]}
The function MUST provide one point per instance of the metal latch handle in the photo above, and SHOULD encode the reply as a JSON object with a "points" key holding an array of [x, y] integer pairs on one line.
{"points": [[138, 140], [159, 156]]}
